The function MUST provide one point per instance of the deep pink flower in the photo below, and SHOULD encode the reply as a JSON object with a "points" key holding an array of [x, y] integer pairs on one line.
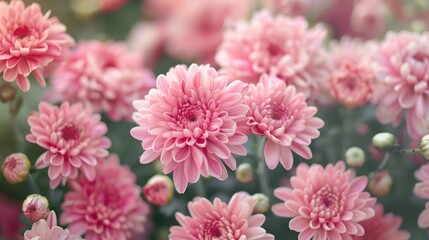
{"points": [[262, 45], [281, 114], [109, 207], [106, 76], [421, 190], [73, 138], [195, 30], [220, 220], [383, 226], [402, 70], [48, 230], [191, 121], [10, 222], [325, 203], [163, 9], [29, 41], [110, 5]]}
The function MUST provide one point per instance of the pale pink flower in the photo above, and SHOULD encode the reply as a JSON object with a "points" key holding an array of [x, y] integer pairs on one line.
{"points": [[297, 56], [219, 220], [35, 207], [159, 190], [288, 7], [195, 30], [383, 226], [109, 207], [48, 230], [402, 70], [281, 114], [106, 76], [73, 138], [325, 203], [421, 190], [369, 17], [191, 121], [16, 167], [29, 41]]}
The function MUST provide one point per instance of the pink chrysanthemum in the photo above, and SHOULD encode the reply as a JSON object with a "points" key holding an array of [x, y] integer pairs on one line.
{"points": [[402, 68], [295, 55], [200, 24], [281, 114], [421, 190], [369, 17], [73, 137], [192, 120], [109, 207], [325, 203], [29, 41], [220, 220], [383, 226], [48, 230], [105, 76]]}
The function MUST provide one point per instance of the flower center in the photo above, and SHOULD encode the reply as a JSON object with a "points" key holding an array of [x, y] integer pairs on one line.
{"points": [[274, 50], [189, 113], [278, 112], [212, 229], [327, 202], [22, 32], [70, 132]]}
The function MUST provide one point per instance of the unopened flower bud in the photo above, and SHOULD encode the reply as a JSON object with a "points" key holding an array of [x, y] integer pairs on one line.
{"points": [[7, 93], [380, 184], [35, 207], [262, 203], [383, 141], [424, 146], [355, 157], [159, 190], [244, 173], [16, 168]]}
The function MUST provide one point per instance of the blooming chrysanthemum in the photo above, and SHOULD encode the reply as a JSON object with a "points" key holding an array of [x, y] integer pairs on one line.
{"points": [[262, 45], [48, 230], [29, 41], [109, 207], [369, 17], [191, 121], [421, 190], [325, 203], [402, 69], [73, 138], [200, 24], [383, 226], [281, 114], [105, 76], [220, 220]]}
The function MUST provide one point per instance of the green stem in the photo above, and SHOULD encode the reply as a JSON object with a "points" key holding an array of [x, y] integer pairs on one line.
{"points": [[260, 171], [409, 151], [199, 187], [33, 184], [347, 128]]}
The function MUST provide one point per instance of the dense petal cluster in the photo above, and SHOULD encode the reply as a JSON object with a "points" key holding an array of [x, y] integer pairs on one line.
{"points": [[281, 114], [73, 138], [402, 70], [109, 207], [325, 203], [48, 230], [191, 121], [221, 220], [262, 45], [421, 190], [383, 226], [105, 76], [29, 41]]}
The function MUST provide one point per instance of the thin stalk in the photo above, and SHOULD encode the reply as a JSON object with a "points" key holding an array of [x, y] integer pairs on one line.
{"points": [[33, 184], [347, 129], [260, 171]]}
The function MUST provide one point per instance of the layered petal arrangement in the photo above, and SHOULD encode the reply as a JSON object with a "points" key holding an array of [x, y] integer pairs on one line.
{"points": [[325, 203], [262, 45], [73, 138], [105, 76], [109, 207], [281, 114], [193, 121], [219, 220], [48, 230], [402, 70], [29, 41]]}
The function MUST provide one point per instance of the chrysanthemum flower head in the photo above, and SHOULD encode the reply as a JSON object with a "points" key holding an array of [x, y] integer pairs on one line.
{"points": [[109, 207], [48, 230], [73, 138], [29, 41], [325, 203], [281, 114], [193, 121], [219, 220]]}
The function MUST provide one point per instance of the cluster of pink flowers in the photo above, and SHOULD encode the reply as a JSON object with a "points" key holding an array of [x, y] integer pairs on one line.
{"points": [[108, 207], [402, 70], [105, 76], [29, 41], [49, 230]]}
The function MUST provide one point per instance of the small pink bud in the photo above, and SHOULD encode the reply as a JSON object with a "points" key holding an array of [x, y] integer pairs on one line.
{"points": [[355, 157], [35, 207], [159, 190], [16, 168], [262, 203], [380, 184], [244, 173]]}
